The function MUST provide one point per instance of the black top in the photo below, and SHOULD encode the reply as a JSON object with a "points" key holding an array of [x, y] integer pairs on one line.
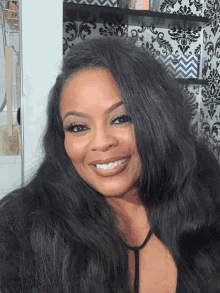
{"points": [[180, 286]]}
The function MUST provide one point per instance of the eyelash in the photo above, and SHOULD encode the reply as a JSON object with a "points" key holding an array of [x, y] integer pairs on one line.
{"points": [[69, 128]]}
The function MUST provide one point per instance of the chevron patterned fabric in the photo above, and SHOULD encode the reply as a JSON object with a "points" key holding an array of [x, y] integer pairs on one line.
{"points": [[183, 66], [109, 3]]}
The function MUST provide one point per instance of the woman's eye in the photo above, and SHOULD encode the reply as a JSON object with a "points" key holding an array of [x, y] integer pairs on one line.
{"points": [[81, 127], [122, 118], [75, 128]]}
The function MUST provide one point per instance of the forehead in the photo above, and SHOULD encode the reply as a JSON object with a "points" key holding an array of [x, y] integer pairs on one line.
{"points": [[90, 87]]}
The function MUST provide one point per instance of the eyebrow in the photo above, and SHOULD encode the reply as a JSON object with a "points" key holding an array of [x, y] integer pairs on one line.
{"points": [[80, 114]]}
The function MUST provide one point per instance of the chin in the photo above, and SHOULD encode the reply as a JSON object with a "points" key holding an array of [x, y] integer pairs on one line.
{"points": [[115, 192], [112, 188]]}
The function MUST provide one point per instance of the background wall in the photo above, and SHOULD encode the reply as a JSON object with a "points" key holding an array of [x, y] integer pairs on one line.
{"points": [[209, 111], [162, 42], [41, 57]]}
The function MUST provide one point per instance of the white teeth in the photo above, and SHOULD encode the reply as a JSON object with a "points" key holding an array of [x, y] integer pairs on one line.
{"points": [[110, 165]]}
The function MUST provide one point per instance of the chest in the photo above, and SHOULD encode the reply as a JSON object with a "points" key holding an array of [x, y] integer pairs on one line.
{"points": [[157, 269]]}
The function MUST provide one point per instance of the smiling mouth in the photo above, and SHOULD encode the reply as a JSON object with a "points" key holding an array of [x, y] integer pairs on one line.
{"points": [[110, 165], [111, 169]]}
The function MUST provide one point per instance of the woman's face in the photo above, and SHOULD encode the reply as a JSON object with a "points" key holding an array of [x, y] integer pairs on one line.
{"points": [[98, 129]]}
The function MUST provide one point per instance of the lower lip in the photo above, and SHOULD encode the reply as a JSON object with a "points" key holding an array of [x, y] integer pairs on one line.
{"points": [[112, 171]]}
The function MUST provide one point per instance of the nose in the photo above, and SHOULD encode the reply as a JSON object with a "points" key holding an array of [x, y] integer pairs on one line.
{"points": [[103, 139]]}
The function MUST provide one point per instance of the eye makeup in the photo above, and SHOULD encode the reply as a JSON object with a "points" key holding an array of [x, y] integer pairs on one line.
{"points": [[73, 125]]}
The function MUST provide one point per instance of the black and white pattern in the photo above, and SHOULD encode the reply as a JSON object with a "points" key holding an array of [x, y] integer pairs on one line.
{"points": [[163, 42], [210, 95], [111, 3]]}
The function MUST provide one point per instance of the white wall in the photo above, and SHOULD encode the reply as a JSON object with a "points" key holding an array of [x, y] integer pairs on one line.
{"points": [[41, 33]]}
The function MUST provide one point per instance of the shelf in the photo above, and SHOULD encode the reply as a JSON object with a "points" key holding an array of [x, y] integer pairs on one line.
{"points": [[83, 12], [193, 81]]}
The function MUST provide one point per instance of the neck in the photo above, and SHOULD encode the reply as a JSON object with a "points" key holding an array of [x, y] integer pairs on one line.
{"points": [[130, 217], [126, 203], [127, 209]]}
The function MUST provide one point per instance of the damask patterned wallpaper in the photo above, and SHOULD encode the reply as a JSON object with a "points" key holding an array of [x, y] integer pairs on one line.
{"points": [[161, 42], [210, 99]]}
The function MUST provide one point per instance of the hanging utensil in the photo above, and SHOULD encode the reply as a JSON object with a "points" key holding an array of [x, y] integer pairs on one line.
{"points": [[10, 134]]}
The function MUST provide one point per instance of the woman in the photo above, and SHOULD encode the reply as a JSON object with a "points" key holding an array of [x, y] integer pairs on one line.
{"points": [[122, 169]]}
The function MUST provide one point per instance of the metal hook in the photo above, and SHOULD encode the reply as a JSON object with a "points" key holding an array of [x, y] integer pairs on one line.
{"points": [[15, 50]]}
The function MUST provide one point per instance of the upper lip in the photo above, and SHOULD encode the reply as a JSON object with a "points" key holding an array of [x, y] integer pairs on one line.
{"points": [[106, 161]]}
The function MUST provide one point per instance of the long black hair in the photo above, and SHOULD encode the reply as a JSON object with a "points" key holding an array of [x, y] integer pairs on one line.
{"points": [[58, 234]]}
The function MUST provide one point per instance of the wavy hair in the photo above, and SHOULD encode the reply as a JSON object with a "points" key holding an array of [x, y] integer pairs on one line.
{"points": [[58, 234]]}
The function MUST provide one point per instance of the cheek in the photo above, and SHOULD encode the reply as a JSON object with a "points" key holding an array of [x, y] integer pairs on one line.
{"points": [[74, 151], [135, 168]]}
